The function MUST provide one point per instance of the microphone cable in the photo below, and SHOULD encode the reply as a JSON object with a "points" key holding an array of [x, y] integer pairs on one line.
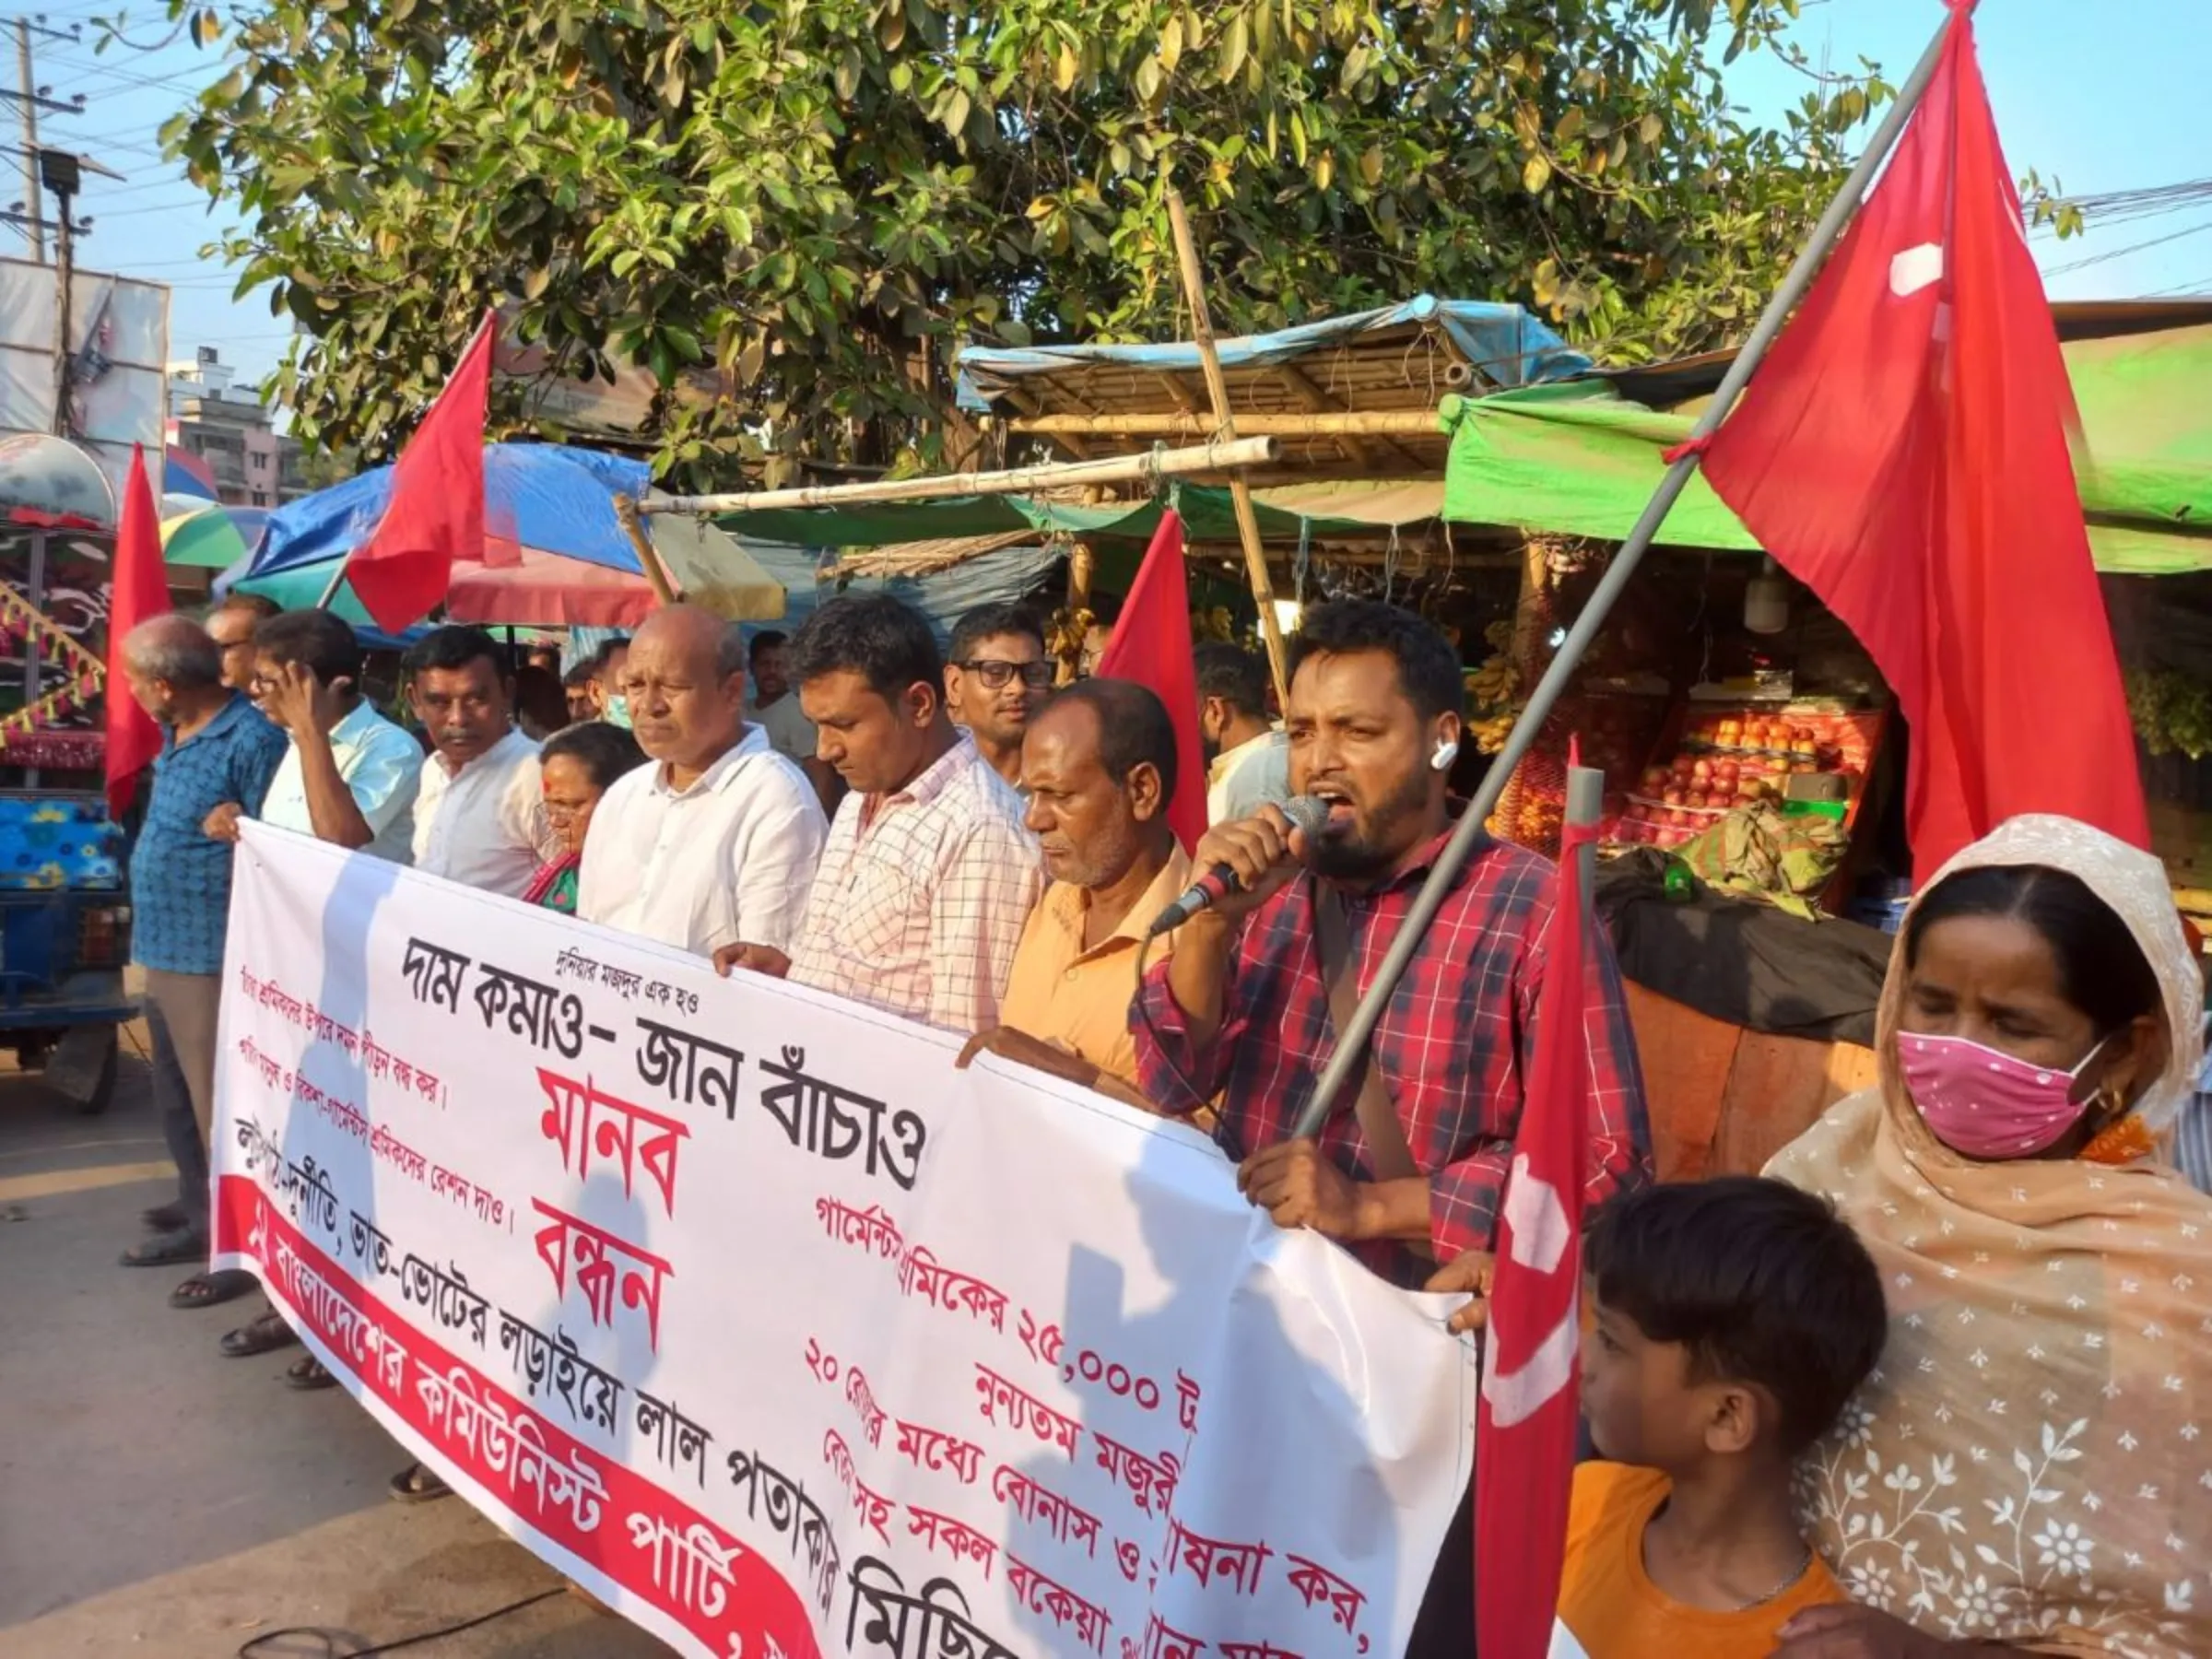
{"points": [[256, 1647]]}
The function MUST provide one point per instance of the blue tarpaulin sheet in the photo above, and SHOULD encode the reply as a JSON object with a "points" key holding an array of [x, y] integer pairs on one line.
{"points": [[547, 496], [1507, 347]]}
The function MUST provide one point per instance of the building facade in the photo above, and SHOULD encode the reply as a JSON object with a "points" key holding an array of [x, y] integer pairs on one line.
{"points": [[254, 465]]}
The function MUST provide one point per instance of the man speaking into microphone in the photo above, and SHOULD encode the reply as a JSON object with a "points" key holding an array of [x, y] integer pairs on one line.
{"points": [[1409, 1170]]}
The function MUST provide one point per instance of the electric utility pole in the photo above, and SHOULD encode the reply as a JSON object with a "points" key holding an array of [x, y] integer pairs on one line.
{"points": [[30, 98]]}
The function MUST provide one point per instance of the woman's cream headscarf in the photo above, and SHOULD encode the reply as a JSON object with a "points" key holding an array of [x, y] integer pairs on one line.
{"points": [[2031, 1462]]}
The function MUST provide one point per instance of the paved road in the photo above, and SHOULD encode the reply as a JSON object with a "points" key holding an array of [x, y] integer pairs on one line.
{"points": [[158, 1500]]}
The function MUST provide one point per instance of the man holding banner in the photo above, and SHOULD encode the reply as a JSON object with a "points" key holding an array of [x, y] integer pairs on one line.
{"points": [[929, 875], [1100, 764], [712, 847]]}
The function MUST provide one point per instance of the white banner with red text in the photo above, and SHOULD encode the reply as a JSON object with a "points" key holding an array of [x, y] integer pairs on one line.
{"points": [[744, 1308]]}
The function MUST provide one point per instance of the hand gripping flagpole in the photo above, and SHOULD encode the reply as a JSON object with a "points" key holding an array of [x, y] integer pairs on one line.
{"points": [[1351, 1045]]}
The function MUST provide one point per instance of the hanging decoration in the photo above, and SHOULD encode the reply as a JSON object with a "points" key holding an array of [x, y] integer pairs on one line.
{"points": [[24, 619], [23, 740], [63, 699]]}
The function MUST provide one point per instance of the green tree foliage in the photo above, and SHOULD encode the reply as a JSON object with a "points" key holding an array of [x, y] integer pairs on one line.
{"points": [[821, 199]]}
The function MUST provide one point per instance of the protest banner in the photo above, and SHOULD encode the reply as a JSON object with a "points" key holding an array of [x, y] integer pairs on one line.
{"points": [[744, 1308]]}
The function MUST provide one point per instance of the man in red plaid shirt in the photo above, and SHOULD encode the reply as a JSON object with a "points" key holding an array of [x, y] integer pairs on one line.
{"points": [[1241, 1010]]}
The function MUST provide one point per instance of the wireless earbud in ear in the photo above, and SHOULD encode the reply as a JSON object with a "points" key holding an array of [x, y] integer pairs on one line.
{"points": [[1445, 754]]}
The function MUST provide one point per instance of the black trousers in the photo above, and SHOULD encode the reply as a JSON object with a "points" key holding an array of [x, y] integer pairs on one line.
{"points": [[1445, 1628]]}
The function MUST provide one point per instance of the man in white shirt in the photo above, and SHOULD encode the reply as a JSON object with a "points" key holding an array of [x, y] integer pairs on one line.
{"points": [[775, 710], [997, 675], [712, 847], [481, 817], [1250, 756], [350, 778], [351, 775]]}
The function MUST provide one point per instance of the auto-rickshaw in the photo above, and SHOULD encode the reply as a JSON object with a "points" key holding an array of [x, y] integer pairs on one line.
{"points": [[64, 904]]}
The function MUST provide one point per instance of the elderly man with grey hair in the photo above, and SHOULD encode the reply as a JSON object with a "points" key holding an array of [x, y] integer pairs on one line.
{"points": [[712, 847], [217, 756]]}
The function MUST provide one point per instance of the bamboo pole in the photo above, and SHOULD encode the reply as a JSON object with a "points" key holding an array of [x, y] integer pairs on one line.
{"points": [[1379, 423], [1239, 490], [1220, 456], [633, 526], [1351, 1051]]}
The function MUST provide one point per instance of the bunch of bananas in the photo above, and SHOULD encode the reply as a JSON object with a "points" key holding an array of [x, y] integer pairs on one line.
{"points": [[1063, 633], [1216, 624], [2171, 711], [1493, 695], [1497, 681], [1490, 734]]}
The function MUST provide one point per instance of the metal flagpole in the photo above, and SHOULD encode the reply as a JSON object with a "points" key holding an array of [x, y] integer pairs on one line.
{"points": [[1351, 1044]]}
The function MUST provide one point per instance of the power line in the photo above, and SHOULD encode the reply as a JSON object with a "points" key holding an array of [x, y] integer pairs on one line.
{"points": [[91, 72], [2123, 207], [2098, 259]]}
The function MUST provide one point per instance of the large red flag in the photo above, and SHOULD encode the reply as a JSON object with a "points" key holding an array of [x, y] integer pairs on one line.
{"points": [[1904, 452], [1525, 1427], [435, 514], [139, 590], [1151, 645]]}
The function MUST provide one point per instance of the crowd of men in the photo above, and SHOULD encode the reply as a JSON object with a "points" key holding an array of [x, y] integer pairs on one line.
{"points": [[943, 835]]}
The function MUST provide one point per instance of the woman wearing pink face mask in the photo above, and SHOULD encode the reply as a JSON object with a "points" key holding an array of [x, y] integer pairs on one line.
{"points": [[2029, 1470]]}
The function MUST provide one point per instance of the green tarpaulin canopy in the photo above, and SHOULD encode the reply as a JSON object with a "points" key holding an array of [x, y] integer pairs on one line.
{"points": [[1577, 459]]}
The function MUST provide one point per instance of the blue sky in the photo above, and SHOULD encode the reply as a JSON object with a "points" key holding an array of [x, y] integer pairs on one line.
{"points": [[2101, 106]]}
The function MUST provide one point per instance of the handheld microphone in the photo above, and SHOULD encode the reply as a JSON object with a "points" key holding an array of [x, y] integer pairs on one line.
{"points": [[1305, 812]]}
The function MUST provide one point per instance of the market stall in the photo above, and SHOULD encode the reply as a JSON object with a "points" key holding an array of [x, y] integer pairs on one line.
{"points": [[1758, 757]]}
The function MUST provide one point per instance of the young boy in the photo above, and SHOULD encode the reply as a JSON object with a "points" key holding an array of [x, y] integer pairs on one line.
{"points": [[1734, 1317]]}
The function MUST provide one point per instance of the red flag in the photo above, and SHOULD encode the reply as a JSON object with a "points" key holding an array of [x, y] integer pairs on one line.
{"points": [[139, 590], [1151, 645], [1903, 452], [435, 514], [1524, 1426]]}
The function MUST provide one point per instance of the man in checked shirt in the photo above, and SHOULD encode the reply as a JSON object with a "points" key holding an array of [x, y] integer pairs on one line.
{"points": [[929, 874], [1242, 1007], [1241, 1010]]}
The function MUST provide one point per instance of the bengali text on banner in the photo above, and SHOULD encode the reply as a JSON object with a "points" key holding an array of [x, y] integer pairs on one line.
{"points": [[744, 1308]]}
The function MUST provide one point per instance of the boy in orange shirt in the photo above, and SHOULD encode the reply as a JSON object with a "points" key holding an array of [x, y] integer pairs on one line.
{"points": [[1735, 1318]]}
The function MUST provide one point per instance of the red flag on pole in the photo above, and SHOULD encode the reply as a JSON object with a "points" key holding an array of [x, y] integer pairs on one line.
{"points": [[139, 590], [1903, 452], [1524, 1426], [435, 514], [1151, 645]]}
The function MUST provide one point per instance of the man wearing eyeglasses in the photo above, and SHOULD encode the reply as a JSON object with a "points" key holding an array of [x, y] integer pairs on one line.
{"points": [[995, 677]]}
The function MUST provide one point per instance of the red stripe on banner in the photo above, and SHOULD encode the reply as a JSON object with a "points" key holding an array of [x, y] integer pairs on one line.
{"points": [[645, 1544]]}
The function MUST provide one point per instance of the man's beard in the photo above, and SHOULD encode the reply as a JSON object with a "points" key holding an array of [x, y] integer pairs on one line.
{"points": [[1356, 857]]}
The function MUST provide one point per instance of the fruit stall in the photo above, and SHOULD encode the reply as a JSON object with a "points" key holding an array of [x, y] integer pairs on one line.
{"points": [[1747, 746]]}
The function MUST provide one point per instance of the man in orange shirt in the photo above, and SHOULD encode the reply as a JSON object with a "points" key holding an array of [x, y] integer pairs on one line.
{"points": [[1099, 766]]}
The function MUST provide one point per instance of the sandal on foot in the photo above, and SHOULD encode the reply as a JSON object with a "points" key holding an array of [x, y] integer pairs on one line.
{"points": [[264, 1335], [416, 1484], [307, 1371], [179, 1244], [210, 1290], [166, 1217]]}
